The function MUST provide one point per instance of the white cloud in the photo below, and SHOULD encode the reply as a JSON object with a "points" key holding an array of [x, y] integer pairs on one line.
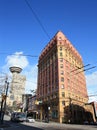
{"points": [[30, 71], [17, 59], [91, 80]]}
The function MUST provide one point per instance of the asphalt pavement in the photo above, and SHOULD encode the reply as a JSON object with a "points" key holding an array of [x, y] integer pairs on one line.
{"points": [[8, 125]]}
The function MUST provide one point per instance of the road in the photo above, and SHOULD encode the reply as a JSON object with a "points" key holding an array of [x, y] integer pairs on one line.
{"points": [[46, 126]]}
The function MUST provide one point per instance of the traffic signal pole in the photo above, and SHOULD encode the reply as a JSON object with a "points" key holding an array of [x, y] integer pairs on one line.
{"points": [[3, 103]]}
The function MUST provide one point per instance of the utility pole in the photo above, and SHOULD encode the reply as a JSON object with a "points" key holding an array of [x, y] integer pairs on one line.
{"points": [[3, 102], [70, 107]]}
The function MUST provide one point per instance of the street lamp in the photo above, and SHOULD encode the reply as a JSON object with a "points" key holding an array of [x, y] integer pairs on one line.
{"points": [[48, 113]]}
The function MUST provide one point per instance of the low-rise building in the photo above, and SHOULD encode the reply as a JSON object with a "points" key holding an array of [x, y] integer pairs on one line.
{"points": [[32, 107]]}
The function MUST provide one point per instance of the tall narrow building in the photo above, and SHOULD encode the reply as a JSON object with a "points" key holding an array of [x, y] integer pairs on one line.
{"points": [[61, 82], [17, 87]]}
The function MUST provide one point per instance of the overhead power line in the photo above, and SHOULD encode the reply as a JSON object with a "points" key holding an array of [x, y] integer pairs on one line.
{"points": [[92, 95], [2, 53], [78, 68], [27, 55], [85, 70], [37, 18]]}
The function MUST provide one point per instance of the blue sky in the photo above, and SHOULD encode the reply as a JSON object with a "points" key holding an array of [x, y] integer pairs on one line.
{"points": [[22, 33]]}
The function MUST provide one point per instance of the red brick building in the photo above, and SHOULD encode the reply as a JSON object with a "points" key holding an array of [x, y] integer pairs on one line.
{"points": [[61, 82]]}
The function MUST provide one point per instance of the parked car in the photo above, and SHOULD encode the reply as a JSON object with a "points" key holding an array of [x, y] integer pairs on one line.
{"points": [[18, 116], [30, 119]]}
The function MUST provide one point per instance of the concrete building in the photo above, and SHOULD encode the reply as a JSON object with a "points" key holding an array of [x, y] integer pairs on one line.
{"points": [[17, 87], [61, 82]]}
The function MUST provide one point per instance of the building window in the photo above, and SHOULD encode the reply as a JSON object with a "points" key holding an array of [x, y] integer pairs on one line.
{"points": [[63, 103], [60, 38], [63, 94], [61, 54], [68, 80], [62, 72], [55, 114], [61, 66], [60, 48], [62, 86], [62, 79], [61, 60]]}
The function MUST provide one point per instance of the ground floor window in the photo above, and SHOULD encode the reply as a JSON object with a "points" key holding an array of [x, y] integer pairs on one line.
{"points": [[55, 114]]}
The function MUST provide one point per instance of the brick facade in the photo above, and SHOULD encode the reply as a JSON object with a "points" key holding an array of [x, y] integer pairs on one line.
{"points": [[61, 82]]}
